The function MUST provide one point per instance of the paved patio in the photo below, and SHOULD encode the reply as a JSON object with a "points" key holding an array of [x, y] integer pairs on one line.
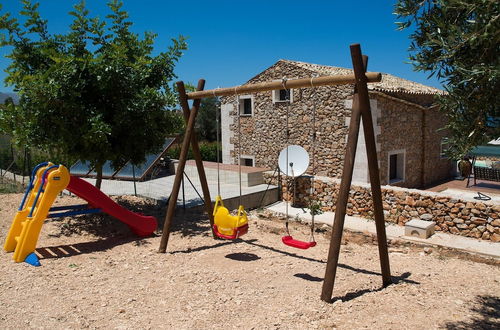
{"points": [[458, 188], [160, 189]]}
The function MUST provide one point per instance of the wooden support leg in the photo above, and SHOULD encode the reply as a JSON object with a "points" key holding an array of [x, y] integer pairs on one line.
{"points": [[196, 148], [371, 152], [345, 185], [361, 107], [177, 181]]}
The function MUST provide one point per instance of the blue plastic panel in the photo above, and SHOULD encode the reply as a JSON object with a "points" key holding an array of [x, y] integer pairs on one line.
{"points": [[141, 170], [107, 170], [80, 168]]}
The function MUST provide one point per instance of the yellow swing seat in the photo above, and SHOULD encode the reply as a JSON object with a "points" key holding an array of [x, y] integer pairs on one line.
{"points": [[228, 226]]}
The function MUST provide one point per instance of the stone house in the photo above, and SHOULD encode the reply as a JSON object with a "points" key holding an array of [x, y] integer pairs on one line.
{"points": [[406, 118]]}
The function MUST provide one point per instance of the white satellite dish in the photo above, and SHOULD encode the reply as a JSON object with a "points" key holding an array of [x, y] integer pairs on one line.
{"points": [[298, 161]]}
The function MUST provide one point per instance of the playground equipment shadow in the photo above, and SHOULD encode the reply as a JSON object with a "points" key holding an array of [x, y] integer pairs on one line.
{"points": [[256, 281]]}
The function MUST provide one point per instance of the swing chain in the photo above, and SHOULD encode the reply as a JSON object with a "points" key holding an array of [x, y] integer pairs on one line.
{"points": [[313, 208], [287, 136], [217, 120]]}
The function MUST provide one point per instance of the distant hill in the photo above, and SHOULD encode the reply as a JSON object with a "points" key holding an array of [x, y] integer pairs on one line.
{"points": [[4, 96]]}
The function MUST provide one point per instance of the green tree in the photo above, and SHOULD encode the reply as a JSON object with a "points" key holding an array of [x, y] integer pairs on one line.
{"points": [[206, 121], [96, 93], [459, 42]]}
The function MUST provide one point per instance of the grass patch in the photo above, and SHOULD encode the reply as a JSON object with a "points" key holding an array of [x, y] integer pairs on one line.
{"points": [[10, 187]]}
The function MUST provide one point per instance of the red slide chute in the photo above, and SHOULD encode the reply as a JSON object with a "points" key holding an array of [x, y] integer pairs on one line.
{"points": [[142, 225]]}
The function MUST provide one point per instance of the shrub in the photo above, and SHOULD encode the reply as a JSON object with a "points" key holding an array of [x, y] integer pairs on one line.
{"points": [[208, 151]]}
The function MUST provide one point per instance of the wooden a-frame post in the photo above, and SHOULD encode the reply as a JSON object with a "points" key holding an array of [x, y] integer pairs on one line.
{"points": [[360, 110], [189, 138]]}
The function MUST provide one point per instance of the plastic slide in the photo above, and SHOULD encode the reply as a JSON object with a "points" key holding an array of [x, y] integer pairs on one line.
{"points": [[48, 180], [27, 224], [141, 225]]}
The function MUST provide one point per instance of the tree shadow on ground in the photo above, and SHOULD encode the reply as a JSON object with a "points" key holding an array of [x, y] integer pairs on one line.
{"points": [[70, 250], [487, 315], [190, 222]]}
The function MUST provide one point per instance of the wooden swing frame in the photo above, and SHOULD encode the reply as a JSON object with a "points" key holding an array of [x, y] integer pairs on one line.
{"points": [[360, 111]]}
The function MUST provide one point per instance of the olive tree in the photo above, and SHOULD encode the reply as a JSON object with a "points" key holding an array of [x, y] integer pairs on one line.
{"points": [[459, 42], [95, 93]]}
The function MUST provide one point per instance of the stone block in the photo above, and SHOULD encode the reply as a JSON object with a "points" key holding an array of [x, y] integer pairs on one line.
{"points": [[419, 228]]}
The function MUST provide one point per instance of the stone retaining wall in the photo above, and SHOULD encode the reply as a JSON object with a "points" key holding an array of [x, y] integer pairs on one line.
{"points": [[473, 219]]}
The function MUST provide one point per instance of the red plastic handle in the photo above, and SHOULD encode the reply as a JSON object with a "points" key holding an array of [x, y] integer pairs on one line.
{"points": [[288, 240]]}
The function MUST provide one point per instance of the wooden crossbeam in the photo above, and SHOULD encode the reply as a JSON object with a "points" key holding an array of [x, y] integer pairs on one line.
{"points": [[371, 77]]}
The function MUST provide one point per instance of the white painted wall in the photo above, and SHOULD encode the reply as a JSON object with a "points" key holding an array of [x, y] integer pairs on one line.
{"points": [[361, 173], [226, 133]]}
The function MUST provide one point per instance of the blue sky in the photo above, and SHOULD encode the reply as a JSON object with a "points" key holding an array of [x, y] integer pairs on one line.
{"points": [[232, 41]]}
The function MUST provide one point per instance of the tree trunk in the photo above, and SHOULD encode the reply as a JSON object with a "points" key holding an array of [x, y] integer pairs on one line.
{"points": [[98, 181]]}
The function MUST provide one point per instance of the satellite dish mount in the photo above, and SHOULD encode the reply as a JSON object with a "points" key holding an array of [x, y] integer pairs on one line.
{"points": [[293, 161]]}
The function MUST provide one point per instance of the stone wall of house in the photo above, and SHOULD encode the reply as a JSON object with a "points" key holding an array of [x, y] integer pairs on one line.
{"points": [[472, 219], [399, 126], [417, 132], [436, 167], [401, 131], [263, 135]]}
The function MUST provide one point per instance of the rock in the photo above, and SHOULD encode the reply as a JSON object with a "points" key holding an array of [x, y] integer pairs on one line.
{"points": [[475, 233], [478, 221], [454, 210], [495, 223], [426, 217], [485, 236], [469, 205], [409, 201], [458, 220], [480, 206], [462, 226], [427, 250], [495, 237], [482, 229], [454, 230], [421, 203]]}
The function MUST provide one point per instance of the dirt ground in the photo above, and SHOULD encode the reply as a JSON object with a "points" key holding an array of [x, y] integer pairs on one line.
{"points": [[97, 274]]}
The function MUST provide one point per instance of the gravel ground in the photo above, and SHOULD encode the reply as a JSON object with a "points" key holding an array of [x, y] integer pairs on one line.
{"points": [[96, 274]]}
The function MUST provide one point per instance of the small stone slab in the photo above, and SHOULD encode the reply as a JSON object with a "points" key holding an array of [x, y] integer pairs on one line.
{"points": [[419, 228]]}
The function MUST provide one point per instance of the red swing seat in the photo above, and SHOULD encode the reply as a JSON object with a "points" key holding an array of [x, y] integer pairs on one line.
{"points": [[288, 240], [237, 232]]}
